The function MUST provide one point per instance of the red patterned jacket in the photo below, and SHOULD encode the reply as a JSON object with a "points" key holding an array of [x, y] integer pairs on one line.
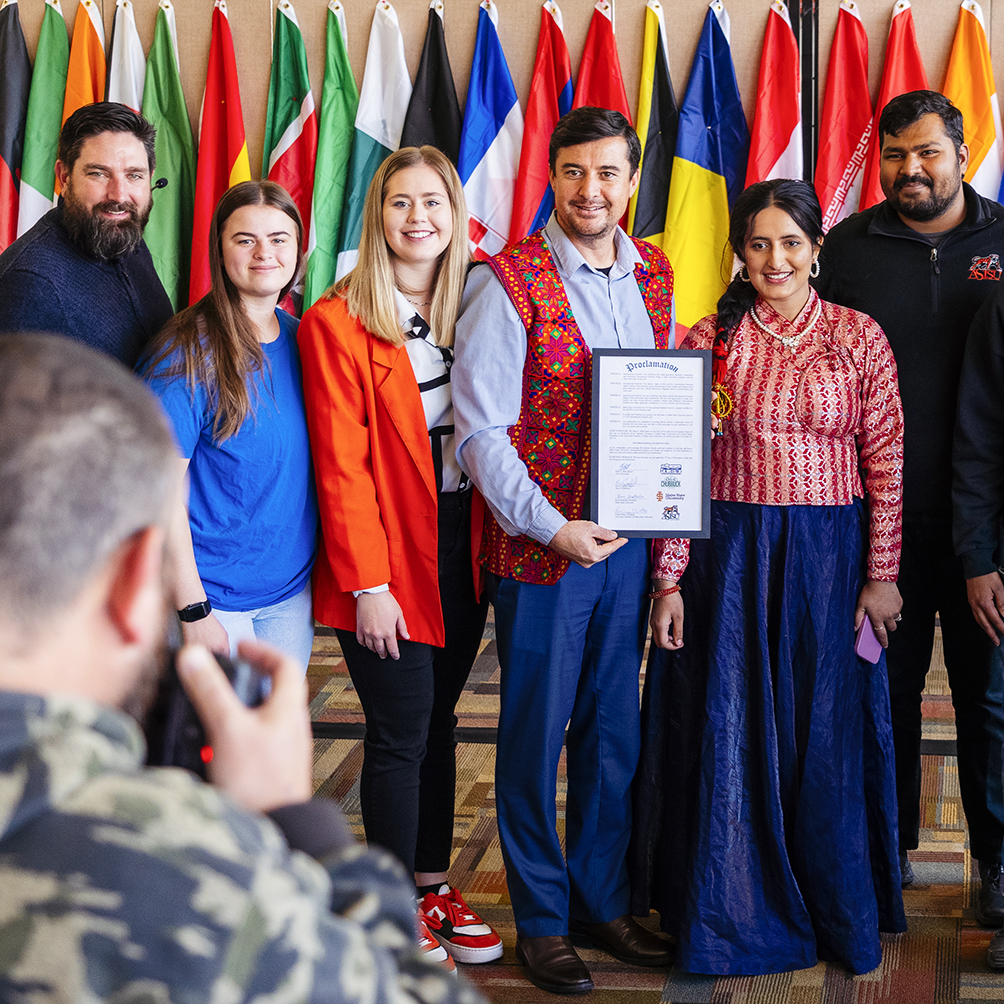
{"points": [[807, 423]]}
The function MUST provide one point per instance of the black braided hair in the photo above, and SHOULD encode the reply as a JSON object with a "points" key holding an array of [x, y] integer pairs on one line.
{"points": [[798, 199]]}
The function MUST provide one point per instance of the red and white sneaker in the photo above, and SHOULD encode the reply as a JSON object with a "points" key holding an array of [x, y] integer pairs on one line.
{"points": [[458, 928], [432, 949]]}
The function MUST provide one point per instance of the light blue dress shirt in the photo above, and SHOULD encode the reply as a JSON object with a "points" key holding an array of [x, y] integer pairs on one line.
{"points": [[487, 376]]}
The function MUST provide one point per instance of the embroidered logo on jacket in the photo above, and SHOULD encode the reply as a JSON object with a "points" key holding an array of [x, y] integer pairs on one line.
{"points": [[987, 267]]}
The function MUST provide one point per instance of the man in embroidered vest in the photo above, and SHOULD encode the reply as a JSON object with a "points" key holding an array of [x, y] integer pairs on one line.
{"points": [[569, 595]]}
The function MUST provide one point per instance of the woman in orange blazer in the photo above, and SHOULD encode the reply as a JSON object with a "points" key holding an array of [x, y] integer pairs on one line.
{"points": [[396, 575]]}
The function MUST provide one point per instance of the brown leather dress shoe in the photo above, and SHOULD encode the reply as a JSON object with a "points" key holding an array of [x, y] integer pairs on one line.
{"points": [[625, 939], [552, 964]]}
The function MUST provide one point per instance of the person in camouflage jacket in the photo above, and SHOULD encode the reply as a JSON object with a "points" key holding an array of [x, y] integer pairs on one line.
{"points": [[120, 882]]}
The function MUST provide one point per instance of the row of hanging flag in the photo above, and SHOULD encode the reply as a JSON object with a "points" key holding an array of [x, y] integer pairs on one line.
{"points": [[847, 172], [696, 156], [711, 164]]}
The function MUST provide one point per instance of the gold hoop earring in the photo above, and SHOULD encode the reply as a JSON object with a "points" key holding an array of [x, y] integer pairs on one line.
{"points": [[743, 274], [814, 268]]}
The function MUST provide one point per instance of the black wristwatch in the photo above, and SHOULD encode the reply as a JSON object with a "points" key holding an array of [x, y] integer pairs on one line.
{"points": [[195, 611]]}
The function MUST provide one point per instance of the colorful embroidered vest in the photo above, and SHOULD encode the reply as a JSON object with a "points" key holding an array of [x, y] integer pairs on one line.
{"points": [[553, 433]]}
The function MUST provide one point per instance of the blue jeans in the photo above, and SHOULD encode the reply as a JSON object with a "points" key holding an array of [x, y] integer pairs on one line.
{"points": [[288, 626]]}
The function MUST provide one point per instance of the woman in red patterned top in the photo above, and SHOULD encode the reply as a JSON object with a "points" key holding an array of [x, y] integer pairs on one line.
{"points": [[766, 828]]}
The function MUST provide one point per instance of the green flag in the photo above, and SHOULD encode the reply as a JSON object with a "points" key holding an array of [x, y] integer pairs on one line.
{"points": [[339, 100], [45, 118], [169, 233], [383, 103]]}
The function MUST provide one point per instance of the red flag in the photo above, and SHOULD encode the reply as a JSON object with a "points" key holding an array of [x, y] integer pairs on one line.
{"points": [[223, 150], [550, 98], [85, 76], [776, 140], [846, 126], [600, 83], [903, 71]]}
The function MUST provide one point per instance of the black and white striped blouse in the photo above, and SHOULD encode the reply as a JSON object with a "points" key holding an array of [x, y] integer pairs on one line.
{"points": [[431, 364]]}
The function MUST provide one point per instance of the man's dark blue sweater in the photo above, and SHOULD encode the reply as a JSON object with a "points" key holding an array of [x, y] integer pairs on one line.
{"points": [[49, 284]]}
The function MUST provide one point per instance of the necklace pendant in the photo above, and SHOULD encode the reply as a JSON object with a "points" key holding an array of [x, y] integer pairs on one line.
{"points": [[721, 402], [788, 341]]}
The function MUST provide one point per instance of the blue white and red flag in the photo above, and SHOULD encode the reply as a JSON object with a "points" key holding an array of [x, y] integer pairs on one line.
{"points": [[550, 98], [491, 139]]}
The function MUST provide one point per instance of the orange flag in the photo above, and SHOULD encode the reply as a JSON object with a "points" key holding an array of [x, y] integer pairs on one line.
{"points": [[85, 76], [969, 85], [223, 150], [902, 71]]}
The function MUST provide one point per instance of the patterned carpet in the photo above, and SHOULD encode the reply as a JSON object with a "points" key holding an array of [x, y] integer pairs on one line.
{"points": [[940, 960]]}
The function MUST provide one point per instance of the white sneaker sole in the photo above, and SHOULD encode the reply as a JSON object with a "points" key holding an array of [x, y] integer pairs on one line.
{"points": [[433, 955], [468, 954]]}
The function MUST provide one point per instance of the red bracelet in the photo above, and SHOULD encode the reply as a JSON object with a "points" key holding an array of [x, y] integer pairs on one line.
{"points": [[659, 593]]}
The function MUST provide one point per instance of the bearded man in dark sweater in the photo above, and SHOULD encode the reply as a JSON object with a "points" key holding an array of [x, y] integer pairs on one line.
{"points": [[921, 263], [83, 270]]}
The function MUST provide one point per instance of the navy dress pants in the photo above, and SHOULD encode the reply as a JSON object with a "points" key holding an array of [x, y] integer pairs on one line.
{"points": [[570, 655]]}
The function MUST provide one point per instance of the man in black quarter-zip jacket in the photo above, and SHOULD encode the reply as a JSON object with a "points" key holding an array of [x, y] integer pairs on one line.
{"points": [[922, 263]]}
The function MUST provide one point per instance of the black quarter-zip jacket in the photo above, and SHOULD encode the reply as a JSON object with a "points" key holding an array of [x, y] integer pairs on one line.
{"points": [[925, 298], [978, 525]]}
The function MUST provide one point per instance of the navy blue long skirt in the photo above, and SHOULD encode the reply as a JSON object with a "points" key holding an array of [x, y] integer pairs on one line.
{"points": [[765, 803]]}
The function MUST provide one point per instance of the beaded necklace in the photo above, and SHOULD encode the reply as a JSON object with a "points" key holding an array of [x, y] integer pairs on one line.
{"points": [[722, 404], [788, 341]]}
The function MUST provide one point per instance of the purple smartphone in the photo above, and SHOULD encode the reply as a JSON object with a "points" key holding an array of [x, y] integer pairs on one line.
{"points": [[866, 645]]}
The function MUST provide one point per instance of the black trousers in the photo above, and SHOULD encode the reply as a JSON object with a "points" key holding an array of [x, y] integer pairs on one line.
{"points": [[931, 582], [408, 782]]}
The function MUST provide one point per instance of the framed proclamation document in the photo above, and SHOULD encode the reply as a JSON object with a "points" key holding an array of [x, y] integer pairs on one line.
{"points": [[651, 449]]}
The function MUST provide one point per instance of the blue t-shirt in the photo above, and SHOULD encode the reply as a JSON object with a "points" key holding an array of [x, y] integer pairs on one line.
{"points": [[252, 504]]}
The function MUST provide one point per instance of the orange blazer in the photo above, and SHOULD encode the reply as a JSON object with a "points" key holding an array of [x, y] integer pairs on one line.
{"points": [[376, 484]]}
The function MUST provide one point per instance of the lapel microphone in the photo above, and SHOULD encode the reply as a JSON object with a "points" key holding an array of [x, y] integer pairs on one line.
{"points": [[160, 183]]}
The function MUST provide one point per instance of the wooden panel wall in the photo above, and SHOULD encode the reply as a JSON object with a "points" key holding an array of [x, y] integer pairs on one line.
{"points": [[251, 22]]}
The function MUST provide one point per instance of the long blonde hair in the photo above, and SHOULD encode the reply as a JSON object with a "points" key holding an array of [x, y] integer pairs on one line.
{"points": [[368, 289], [218, 343]]}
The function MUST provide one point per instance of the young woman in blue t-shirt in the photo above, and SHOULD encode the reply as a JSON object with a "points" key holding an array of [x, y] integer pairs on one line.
{"points": [[227, 372]]}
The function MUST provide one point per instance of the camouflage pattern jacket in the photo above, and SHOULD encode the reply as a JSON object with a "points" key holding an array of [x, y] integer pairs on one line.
{"points": [[123, 883]]}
